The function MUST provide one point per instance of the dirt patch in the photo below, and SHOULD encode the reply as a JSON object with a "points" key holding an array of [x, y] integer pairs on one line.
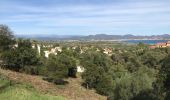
{"points": [[72, 91]]}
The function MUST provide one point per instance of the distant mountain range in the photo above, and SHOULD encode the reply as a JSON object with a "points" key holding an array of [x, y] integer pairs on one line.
{"points": [[94, 37]]}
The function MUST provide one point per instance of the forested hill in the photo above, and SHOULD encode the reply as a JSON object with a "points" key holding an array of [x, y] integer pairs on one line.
{"points": [[93, 37], [116, 71]]}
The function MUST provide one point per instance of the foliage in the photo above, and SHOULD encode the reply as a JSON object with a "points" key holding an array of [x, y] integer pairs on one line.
{"points": [[153, 59], [59, 67], [132, 72], [130, 85], [128, 74], [21, 57], [7, 38], [97, 66], [11, 91]]}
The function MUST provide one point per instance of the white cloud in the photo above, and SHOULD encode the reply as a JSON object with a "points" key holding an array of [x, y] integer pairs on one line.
{"points": [[137, 14]]}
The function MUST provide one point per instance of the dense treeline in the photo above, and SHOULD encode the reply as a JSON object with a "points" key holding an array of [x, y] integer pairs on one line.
{"points": [[130, 73], [19, 55]]}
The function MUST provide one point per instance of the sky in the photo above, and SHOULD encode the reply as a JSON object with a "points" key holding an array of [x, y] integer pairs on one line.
{"points": [[86, 17]]}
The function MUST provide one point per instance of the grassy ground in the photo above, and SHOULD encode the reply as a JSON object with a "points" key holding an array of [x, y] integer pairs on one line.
{"points": [[71, 91], [14, 91]]}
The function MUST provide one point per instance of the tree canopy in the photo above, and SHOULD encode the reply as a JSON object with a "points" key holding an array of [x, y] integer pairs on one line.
{"points": [[7, 38]]}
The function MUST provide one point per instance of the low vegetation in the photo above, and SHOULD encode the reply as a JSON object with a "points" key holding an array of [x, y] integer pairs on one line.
{"points": [[10, 90]]}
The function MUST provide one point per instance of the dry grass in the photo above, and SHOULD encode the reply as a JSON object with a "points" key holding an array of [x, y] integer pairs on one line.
{"points": [[72, 91]]}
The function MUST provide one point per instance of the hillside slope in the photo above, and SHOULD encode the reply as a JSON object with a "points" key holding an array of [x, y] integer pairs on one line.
{"points": [[72, 91], [11, 90]]}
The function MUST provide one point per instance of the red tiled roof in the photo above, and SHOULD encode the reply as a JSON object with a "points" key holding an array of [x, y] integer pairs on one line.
{"points": [[168, 42], [152, 47], [161, 44]]}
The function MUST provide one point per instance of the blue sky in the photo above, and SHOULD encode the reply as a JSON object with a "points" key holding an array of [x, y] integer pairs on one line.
{"points": [[84, 17]]}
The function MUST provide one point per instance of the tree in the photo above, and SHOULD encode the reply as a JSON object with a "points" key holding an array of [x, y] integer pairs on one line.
{"points": [[146, 95], [60, 67], [130, 85], [105, 85], [22, 57], [55, 70], [96, 74], [130, 61], [117, 58], [166, 72], [153, 59], [164, 77], [69, 63], [7, 38]]}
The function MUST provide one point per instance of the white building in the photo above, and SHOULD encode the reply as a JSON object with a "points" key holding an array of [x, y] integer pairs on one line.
{"points": [[39, 49], [33, 46], [15, 46], [107, 51], [52, 51], [47, 53], [58, 49], [80, 69]]}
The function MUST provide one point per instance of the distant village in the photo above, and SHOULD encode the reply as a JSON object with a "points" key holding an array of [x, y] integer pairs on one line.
{"points": [[161, 45], [48, 49]]}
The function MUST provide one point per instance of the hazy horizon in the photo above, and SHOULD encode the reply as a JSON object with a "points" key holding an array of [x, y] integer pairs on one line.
{"points": [[42, 35], [86, 17]]}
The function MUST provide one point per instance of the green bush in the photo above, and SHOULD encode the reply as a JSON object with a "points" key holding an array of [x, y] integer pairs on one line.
{"points": [[21, 58], [60, 67]]}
